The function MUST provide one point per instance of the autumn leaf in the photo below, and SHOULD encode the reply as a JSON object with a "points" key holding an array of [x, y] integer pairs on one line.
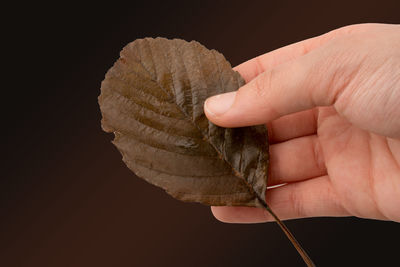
{"points": [[152, 100]]}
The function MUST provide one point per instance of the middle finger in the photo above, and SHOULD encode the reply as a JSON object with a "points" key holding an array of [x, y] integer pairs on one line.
{"points": [[296, 160]]}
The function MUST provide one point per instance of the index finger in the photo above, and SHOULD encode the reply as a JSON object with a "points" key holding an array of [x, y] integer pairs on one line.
{"points": [[253, 67]]}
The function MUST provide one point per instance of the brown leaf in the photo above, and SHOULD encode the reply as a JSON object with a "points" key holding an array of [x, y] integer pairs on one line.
{"points": [[152, 99]]}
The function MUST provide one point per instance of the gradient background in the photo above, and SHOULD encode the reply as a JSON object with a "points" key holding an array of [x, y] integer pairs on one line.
{"points": [[66, 198]]}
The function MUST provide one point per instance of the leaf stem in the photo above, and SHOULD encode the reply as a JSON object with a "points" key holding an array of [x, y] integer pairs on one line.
{"points": [[289, 235]]}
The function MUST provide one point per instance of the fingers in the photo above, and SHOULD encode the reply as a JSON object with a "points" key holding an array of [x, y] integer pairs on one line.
{"points": [[253, 67], [294, 125], [295, 160], [305, 83], [310, 198], [294, 78]]}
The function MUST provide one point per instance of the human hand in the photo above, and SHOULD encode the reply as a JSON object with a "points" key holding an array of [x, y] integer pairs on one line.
{"points": [[332, 107]]}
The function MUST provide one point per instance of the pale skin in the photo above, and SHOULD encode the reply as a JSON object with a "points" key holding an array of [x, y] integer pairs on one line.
{"points": [[332, 107]]}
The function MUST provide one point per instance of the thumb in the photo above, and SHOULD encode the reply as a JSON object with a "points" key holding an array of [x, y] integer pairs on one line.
{"points": [[315, 79]]}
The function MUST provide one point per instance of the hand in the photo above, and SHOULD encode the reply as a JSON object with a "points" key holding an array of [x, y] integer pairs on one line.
{"points": [[332, 107]]}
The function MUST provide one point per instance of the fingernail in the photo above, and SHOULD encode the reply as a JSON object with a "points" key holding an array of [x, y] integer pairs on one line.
{"points": [[219, 104]]}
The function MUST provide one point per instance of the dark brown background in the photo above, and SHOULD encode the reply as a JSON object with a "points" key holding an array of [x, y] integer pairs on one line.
{"points": [[66, 198]]}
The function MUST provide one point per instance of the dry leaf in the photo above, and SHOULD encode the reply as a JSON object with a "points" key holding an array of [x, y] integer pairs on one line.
{"points": [[152, 99]]}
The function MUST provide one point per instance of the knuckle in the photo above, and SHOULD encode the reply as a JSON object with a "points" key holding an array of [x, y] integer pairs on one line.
{"points": [[259, 67], [338, 72], [296, 203], [350, 29], [318, 155], [261, 85]]}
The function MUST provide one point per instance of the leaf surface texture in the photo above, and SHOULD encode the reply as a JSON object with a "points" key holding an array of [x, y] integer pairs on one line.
{"points": [[152, 100]]}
